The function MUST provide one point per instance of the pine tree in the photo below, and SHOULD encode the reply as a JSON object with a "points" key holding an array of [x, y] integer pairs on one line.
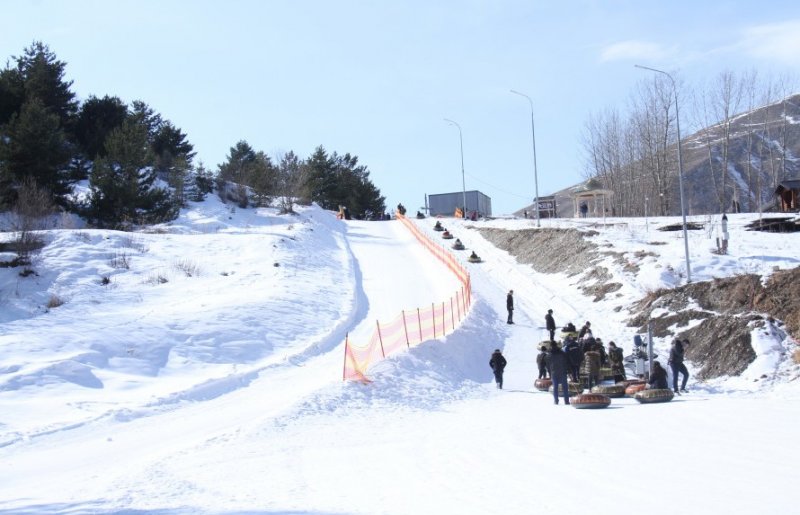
{"points": [[123, 184], [95, 121], [33, 146]]}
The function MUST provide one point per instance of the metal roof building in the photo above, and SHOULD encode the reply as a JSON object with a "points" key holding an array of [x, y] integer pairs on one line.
{"points": [[445, 204]]}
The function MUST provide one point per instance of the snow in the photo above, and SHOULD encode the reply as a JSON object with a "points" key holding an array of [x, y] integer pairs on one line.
{"points": [[206, 377]]}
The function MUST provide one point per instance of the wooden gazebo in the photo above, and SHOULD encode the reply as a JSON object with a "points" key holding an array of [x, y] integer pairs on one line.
{"points": [[593, 195], [788, 193]]}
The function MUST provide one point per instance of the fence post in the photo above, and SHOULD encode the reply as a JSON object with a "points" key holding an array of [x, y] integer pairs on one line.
{"points": [[380, 338], [444, 321], [419, 322], [405, 329], [433, 314], [458, 307], [452, 315]]}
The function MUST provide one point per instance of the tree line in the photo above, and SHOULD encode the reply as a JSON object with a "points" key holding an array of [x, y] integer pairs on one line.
{"points": [[140, 166], [738, 153]]}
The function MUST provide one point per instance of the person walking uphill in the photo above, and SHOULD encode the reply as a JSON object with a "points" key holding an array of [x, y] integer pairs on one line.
{"points": [[498, 364], [510, 306], [551, 324], [558, 372], [676, 364]]}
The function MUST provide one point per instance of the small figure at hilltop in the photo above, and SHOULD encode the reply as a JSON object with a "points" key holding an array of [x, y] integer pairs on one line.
{"points": [[550, 323], [510, 306], [498, 364], [420, 216], [401, 209]]}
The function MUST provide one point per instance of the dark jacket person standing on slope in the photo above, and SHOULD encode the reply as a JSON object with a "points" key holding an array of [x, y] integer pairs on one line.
{"points": [[498, 364], [551, 324], [510, 306], [558, 372]]}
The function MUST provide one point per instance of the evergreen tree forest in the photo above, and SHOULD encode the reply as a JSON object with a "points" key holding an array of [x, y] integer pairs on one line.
{"points": [[138, 166]]}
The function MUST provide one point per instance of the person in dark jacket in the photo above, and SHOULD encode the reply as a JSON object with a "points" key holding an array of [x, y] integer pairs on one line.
{"points": [[574, 357], [558, 372], [498, 364], [551, 324], [616, 357], [543, 362], [510, 306], [585, 330], [658, 378], [676, 364]]}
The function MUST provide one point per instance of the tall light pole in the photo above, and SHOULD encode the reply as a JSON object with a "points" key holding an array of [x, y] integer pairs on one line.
{"points": [[535, 174], [463, 182], [680, 168]]}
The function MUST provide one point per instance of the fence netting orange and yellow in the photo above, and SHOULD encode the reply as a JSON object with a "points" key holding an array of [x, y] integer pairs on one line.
{"points": [[414, 326]]}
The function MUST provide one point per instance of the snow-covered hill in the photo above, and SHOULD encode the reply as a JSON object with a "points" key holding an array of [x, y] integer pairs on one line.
{"points": [[196, 368]]}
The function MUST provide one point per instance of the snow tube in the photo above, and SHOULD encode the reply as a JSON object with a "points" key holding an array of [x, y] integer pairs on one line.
{"points": [[633, 389], [629, 382], [574, 389], [458, 247], [475, 259], [543, 384], [611, 390], [447, 236], [590, 401], [438, 228], [655, 395]]}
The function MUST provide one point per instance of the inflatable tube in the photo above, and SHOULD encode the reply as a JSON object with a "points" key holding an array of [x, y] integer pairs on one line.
{"points": [[629, 382], [610, 390], [543, 384], [590, 401], [474, 260], [633, 389], [574, 388], [655, 395]]}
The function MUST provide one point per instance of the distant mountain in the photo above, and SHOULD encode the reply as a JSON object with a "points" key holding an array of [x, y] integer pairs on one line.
{"points": [[767, 137]]}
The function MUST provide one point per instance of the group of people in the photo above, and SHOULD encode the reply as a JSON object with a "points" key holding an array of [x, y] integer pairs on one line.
{"points": [[584, 354]]}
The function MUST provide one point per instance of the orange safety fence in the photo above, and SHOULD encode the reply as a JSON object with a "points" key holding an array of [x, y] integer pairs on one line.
{"points": [[411, 327]]}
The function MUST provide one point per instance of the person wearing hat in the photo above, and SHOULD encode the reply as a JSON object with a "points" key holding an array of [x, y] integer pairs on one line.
{"points": [[510, 306], [558, 372], [551, 324], [498, 364]]}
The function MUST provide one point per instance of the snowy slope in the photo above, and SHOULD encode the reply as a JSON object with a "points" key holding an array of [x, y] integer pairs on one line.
{"points": [[222, 393]]}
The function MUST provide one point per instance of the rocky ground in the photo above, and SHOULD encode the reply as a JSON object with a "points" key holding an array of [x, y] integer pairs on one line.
{"points": [[718, 316]]}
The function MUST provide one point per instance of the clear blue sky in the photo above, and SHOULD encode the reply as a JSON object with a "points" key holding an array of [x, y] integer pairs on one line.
{"points": [[377, 78]]}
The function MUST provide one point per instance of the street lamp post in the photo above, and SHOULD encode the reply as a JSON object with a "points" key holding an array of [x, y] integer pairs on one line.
{"points": [[535, 174], [680, 169], [463, 181]]}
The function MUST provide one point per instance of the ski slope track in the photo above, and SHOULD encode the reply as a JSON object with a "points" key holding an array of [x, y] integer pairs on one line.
{"points": [[232, 402]]}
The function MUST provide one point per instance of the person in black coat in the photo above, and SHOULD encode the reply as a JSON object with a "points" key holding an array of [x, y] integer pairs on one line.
{"points": [[498, 364], [558, 372], [551, 324], [543, 362], [676, 364], [510, 306], [658, 378], [574, 357]]}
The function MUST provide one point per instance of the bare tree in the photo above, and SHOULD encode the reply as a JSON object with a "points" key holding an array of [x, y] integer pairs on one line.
{"points": [[30, 214]]}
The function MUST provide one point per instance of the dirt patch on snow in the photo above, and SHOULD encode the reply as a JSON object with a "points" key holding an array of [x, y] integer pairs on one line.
{"points": [[716, 316]]}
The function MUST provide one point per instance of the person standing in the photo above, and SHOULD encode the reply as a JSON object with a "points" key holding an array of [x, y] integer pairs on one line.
{"points": [[498, 364], [591, 365], [615, 356], [543, 362], [551, 324], [676, 364], [510, 306], [558, 372], [574, 357]]}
